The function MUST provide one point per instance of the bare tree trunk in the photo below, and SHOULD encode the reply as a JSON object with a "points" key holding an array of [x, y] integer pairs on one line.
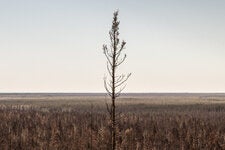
{"points": [[113, 125], [113, 96]]}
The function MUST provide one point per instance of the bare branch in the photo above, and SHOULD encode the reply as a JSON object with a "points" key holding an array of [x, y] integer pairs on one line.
{"points": [[109, 84], [121, 48], [110, 54], [121, 61], [119, 79], [123, 81], [109, 69], [119, 92], [106, 87], [105, 51]]}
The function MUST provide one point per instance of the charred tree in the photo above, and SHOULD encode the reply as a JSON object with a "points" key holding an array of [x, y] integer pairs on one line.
{"points": [[115, 84]]}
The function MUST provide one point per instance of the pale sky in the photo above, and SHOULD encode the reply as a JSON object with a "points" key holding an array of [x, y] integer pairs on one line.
{"points": [[56, 45]]}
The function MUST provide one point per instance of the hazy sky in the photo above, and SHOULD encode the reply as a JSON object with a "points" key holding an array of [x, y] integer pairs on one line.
{"points": [[56, 45]]}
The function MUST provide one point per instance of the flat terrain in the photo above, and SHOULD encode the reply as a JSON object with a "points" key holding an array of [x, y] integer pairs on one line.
{"points": [[71, 100], [80, 121]]}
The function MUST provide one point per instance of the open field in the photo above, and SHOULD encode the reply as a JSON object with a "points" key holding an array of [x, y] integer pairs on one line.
{"points": [[80, 121]]}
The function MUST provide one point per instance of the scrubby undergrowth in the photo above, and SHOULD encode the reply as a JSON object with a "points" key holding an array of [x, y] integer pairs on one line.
{"points": [[138, 127]]}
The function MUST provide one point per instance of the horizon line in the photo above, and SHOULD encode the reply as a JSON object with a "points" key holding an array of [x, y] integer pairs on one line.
{"points": [[106, 92]]}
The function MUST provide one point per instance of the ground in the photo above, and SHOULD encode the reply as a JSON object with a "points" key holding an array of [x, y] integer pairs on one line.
{"points": [[144, 121]]}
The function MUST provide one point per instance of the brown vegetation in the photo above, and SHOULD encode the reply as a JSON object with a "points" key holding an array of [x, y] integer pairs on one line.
{"points": [[141, 125]]}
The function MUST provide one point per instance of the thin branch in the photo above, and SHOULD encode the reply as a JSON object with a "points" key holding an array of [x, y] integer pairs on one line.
{"points": [[106, 87], [109, 84], [110, 54], [108, 59], [119, 92], [119, 79], [121, 48], [109, 71], [121, 61], [123, 81]]}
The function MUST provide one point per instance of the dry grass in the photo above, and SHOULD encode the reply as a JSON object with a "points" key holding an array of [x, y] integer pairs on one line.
{"points": [[145, 122]]}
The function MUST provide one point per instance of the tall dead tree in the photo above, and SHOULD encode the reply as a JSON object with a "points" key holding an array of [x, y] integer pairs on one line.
{"points": [[115, 84]]}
